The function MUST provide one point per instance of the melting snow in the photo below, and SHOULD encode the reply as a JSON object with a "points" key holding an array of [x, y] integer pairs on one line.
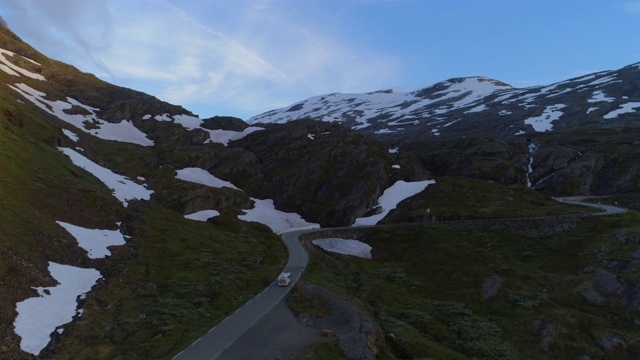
{"points": [[202, 177], [203, 215], [599, 96], [94, 241], [39, 316], [363, 108], [15, 70], [344, 246], [624, 108], [265, 213], [123, 188], [544, 121], [216, 136], [71, 135], [124, 131], [392, 197]]}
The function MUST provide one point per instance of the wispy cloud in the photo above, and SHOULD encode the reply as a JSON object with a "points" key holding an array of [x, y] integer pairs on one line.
{"points": [[270, 58]]}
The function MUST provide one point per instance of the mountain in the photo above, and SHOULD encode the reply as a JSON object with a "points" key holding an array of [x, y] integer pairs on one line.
{"points": [[478, 106], [574, 137], [129, 226], [110, 189]]}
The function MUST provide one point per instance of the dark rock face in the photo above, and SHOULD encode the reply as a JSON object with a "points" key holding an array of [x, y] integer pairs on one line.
{"points": [[355, 329], [325, 172], [224, 123], [609, 283], [491, 287]]}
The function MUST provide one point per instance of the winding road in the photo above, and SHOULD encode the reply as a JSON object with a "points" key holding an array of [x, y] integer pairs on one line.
{"points": [[213, 344], [217, 340]]}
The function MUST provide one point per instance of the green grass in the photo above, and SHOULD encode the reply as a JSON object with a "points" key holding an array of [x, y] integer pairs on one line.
{"points": [[177, 279], [452, 198], [172, 282], [424, 285]]}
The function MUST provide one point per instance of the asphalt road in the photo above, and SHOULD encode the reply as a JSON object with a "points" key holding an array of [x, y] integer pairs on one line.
{"points": [[607, 209], [217, 340], [214, 343]]}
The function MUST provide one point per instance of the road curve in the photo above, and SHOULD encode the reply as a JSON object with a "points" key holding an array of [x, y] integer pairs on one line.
{"points": [[213, 344], [217, 340], [579, 200]]}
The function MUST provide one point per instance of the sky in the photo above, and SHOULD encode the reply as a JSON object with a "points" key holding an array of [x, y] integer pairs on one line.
{"points": [[244, 57]]}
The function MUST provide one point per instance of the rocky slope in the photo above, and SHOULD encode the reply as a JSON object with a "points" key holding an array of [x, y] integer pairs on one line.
{"points": [[574, 137], [151, 298]]}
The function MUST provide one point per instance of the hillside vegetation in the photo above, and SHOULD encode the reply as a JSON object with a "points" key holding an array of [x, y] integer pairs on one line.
{"points": [[525, 289]]}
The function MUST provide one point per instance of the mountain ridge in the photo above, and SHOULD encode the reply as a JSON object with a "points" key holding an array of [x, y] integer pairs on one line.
{"points": [[459, 107]]}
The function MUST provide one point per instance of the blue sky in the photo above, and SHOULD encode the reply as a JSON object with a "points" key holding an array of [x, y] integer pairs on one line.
{"points": [[245, 57]]}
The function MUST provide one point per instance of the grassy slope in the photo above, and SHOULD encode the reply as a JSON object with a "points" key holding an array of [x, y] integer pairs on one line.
{"points": [[453, 198], [425, 287], [175, 278]]}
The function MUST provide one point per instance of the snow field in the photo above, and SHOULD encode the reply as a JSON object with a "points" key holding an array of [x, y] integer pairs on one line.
{"points": [[123, 131], [39, 316], [391, 197], [364, 107], [94, 241], [344, 247], [123, 188], [216, 136], [202, 177], [11, 69], [624, 108], [203, 215], [544, 122], [278, 221]]}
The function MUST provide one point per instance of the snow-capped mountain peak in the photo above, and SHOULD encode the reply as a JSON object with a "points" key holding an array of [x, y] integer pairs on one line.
{"points": [[474, 106]]}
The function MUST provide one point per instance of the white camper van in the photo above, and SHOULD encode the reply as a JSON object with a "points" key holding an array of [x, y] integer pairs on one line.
{"points": [[284, 279]]}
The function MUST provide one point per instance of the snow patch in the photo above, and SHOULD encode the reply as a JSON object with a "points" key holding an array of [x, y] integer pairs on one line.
{"points": [[202, 177], [71, 135], [94, 241], [39, 316], [265, 213], [344, 247], [624, 108], [123, 188], [599, 96], [12, 69], [203, 215], [391, 197], [124, 131], [544, 122]]}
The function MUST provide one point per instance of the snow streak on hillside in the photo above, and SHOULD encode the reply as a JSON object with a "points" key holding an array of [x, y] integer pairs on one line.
{"points": [[123, 131], [192, 123], [391, 197], [124, 189], [12, 69]]}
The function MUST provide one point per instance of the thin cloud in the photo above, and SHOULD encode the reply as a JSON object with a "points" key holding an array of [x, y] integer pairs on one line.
{"points": [[270, 58], [631, 7]]}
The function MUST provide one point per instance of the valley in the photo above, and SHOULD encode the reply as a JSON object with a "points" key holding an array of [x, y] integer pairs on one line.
{"points": [[138, 227]]}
